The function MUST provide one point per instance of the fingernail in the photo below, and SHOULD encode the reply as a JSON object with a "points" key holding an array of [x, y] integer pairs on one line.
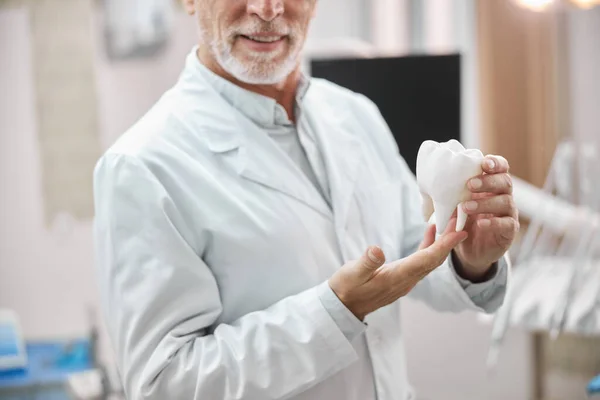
{"points": [[491, 164], [372, 256], [484, 223], [476, 183], [470, 205]]}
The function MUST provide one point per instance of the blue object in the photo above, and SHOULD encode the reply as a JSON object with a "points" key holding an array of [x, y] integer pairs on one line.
{"points": [[8, 341], [49, 365], [12, 347], [594, 386]]}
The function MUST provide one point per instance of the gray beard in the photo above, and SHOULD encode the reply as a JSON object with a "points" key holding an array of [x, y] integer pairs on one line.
{"points": [[255, 74]]}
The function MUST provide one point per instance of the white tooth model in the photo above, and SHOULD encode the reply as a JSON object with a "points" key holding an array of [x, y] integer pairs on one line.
{"points": [[443, 170]]}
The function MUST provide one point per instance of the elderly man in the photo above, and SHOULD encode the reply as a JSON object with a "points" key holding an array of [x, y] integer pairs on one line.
{"points": [[256, 229]]}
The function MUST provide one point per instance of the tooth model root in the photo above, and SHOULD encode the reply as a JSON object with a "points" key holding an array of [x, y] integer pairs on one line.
{"points": [[443, 213], [461, 219]]}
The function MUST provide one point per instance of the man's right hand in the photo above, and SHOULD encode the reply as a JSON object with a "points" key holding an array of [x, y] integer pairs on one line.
{"points": [[369, 284]]}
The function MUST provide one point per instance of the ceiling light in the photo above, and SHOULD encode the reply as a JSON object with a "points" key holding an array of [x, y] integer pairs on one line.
{"points": [[586, 4], [536, 5]]}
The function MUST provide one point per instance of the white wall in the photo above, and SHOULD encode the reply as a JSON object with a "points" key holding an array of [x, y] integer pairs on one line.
{"points": [[584, 68], [44, 274], [447, 354], [339, 18], [127, 89]]}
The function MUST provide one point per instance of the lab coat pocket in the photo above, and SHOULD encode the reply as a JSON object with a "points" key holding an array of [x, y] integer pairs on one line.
{"points": [[381, 210]]}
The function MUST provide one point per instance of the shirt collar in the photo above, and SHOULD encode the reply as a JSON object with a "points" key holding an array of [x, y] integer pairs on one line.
{"points": [[263, 110]]}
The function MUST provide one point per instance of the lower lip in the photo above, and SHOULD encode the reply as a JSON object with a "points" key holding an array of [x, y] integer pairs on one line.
{"points": [[261, 46]]}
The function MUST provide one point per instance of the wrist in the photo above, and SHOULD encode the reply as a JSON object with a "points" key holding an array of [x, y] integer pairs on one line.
{"points": [[347, 302], [473, 273]]}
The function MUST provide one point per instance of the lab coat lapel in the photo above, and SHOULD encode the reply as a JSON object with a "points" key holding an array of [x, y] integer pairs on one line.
{"points": [[266, 164], [258, 159], [342, 153], [239, 141]]}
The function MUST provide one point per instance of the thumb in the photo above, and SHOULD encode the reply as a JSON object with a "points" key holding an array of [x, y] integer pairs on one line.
{"points": [[368, 263]]}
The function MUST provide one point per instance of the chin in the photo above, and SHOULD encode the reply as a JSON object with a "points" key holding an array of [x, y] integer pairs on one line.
{"points": [[265, 72], [262, 77]]}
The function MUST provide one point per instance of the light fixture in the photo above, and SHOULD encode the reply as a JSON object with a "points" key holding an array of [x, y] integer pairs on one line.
{"points": [[544, 5], [586, 4], [536, 5]]}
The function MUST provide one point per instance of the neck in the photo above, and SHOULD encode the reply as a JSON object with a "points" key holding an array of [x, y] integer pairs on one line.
{"points": [[283, 92]]}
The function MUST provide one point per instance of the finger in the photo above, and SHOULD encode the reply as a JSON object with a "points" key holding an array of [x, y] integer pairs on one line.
{"points": [[368, 263], [428, 238], [426, 260], [501, 205], [435, 254], [494, 183], [493, 164], [504, 228]]}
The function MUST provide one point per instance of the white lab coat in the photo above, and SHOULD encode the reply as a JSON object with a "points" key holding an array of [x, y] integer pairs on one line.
{"points": [[213, 248]]}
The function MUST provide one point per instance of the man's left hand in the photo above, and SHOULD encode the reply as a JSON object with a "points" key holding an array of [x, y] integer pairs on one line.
{"points": [[493, 220]]}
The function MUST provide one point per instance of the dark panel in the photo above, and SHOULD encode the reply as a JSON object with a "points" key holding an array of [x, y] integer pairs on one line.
{"points": [[419, 96]]}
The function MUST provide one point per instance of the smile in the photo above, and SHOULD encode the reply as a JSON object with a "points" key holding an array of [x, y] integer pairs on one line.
{"points": [[262, 43], [264, 39]]}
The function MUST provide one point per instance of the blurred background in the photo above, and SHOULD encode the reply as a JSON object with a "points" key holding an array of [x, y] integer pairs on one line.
{"points": [[519, 78]]}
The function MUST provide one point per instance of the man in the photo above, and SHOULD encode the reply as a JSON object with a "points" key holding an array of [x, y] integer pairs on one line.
{"points": [[256, 228]]}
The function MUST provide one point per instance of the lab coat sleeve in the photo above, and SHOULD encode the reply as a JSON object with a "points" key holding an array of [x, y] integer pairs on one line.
{"points": [[343, 317], [488, 295], [161, 302]]}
